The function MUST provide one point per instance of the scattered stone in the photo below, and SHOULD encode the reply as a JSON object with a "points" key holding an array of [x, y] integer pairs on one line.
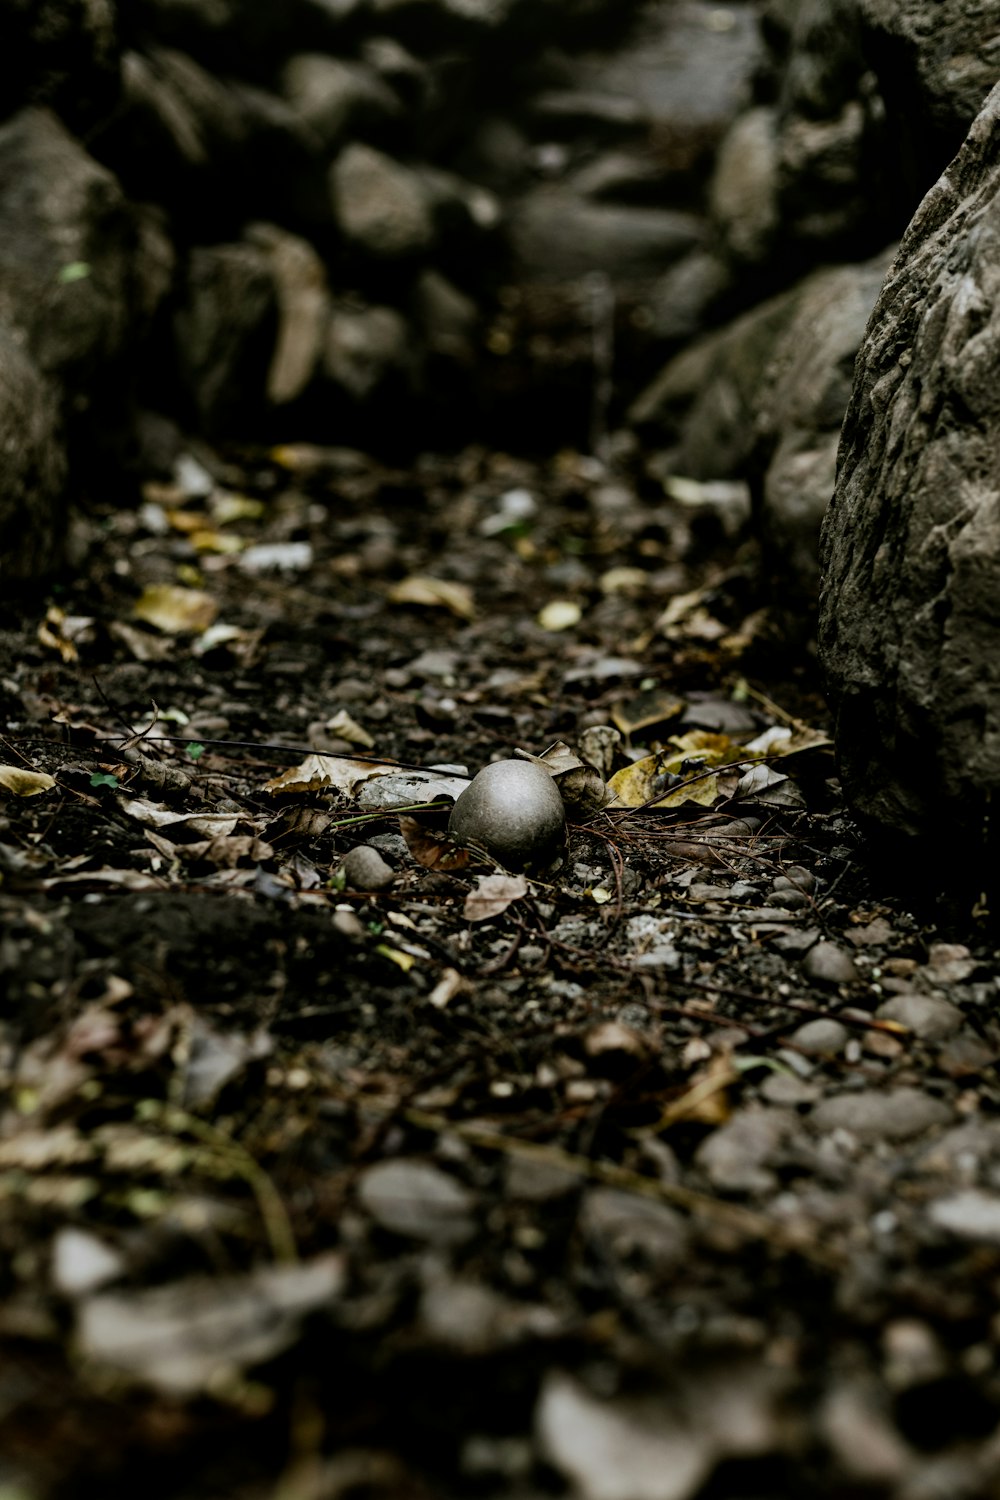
{"points": [[226, 330], [970, 1214], [829, 963], [82, 1263], [895, 1114], [364, 869], [738, 1156], [382, 206], [418, 1201], [925, 1015], [634, 1231]]}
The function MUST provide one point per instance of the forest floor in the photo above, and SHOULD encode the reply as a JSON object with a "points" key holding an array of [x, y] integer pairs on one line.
{"points": [[670, 1171]]}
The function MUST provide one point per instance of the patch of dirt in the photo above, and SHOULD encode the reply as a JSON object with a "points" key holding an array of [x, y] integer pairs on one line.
{"points": [[678, 1176]]}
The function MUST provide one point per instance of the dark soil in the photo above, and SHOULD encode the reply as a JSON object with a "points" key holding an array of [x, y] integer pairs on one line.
{"points": [[209, 1050]]}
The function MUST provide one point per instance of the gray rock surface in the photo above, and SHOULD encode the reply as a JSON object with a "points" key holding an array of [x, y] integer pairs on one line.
{"points": [[67, 250], [925, 1015], [894, 1114], [911, 545], [382, 206], [513, 811], [32, 467], [417, 1200]]}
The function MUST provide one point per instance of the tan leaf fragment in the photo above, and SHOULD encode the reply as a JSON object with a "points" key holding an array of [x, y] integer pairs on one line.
{"points": [[24, 783], [348, 728], [492, 895], [319, 773], [434, 593], [175, 610]]}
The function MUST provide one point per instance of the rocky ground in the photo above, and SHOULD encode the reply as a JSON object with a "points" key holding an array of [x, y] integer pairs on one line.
{"points": [[670, 1171]]}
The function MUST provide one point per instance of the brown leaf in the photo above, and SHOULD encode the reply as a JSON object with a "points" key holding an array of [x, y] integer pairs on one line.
{"points": [[433, 850]]}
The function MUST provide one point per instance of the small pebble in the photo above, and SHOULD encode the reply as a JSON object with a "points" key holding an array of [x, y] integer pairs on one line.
{"points": [[925, 1015], [821, 1038], [971, 1214], [789, 899], [828, 963], [364, 869]]}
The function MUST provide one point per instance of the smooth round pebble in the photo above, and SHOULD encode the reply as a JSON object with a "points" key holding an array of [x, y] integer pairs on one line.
{"points": [[364, 869], [925, 1015], [821, 1038], [828, 963], [513, 812]]}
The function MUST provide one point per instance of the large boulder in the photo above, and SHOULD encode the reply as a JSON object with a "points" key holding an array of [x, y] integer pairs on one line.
{"points": [[69, 263], [910, 620], [32, 468]]}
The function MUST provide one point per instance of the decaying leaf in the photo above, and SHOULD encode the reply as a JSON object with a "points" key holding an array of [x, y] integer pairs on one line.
{"points": [[647, 710], [492, 895], [319, 773], [680, 773], [175, 610], [209, 825], [433, 850], [434, 593], [21, 782], [64, 633], [580, 784]]}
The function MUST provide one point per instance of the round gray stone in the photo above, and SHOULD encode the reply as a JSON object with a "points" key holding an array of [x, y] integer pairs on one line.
{"points": [[828, 963], [364, 869], [926, 1016], [513, 812]]}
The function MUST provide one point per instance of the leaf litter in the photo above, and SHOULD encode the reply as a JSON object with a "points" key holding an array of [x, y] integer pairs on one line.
{"points": [[271, 1146]]}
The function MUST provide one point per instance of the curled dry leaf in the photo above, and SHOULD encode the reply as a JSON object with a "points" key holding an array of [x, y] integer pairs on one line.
{"points": [[580, 784], [433, 850], [492, 895], [434, 593], [24, 783]]}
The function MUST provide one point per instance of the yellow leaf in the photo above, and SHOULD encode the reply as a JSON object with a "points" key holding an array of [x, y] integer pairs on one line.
{"points": [[653, 780], [434, 593], [404, 961], [348, 728], [175, 610], [24, 783]]}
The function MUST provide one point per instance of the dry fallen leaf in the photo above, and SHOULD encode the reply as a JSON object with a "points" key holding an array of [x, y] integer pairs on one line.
{"points": [[435, 851], [175, 610], [318, 773], [348, 728], [492, 895], [24, 783], [434, 593]]}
